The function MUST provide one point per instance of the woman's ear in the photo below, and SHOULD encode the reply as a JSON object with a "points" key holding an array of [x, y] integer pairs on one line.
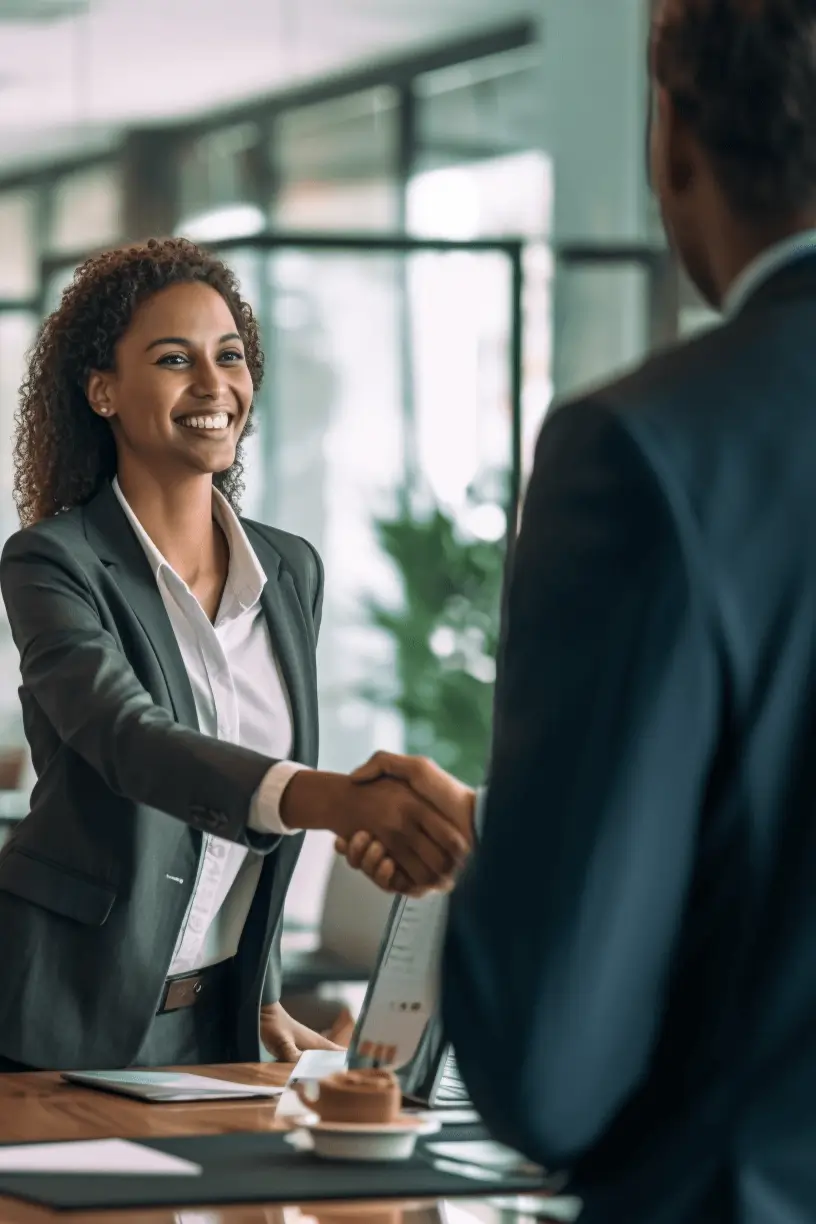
{"points": [[99, 393]]}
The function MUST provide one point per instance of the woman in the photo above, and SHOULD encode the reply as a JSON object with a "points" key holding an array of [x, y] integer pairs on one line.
{"points": [[167, 653]]}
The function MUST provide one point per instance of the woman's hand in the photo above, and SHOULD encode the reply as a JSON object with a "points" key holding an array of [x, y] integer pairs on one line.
{"points": [[286, 1038]]}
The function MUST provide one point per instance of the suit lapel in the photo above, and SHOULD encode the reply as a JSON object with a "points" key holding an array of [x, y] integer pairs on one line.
{"points": [[290, 640], [114, 541], [112, 538]]}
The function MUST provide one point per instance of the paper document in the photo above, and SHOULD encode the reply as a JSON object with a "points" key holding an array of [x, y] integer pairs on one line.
{"points": [[93, 1156], [486, 1153], [317, 1064], [169, 1086]]}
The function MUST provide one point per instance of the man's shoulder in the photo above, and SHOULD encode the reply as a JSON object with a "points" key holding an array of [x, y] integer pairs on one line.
{"points": [[672, 379], [682, 401]]}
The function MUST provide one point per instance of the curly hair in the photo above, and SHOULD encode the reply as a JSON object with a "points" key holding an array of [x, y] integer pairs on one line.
{"points": [[63, 451], [742, 73]]}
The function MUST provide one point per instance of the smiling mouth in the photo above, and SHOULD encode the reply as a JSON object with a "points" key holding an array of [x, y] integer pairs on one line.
{"points": [[206, 422]]}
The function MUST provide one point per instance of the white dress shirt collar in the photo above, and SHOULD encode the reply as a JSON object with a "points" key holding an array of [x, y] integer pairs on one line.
{"points": [[761, 269], [246, 578]]}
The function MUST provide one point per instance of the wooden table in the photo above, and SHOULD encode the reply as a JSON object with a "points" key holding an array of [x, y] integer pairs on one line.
{"points": [[41, 1107]]}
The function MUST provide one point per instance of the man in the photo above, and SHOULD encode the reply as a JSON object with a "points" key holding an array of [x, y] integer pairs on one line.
{"points": [[630, 977]]}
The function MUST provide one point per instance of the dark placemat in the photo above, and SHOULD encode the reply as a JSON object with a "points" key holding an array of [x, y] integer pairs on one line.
{"points": [[254, 1168]]}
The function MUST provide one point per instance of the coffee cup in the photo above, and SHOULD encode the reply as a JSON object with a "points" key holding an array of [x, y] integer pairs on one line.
{"points": [[360, 1097]]}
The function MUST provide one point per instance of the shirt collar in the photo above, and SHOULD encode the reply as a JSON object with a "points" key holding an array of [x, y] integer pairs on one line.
{"points": [[246, 578], [761, 269]]}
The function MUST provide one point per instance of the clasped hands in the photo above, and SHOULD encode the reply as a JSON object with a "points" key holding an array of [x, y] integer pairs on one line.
{"points": [[443, 794], [403, 821]]}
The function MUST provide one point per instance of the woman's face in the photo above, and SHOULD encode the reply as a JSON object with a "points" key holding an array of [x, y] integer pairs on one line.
{"points": [[180, 393]]}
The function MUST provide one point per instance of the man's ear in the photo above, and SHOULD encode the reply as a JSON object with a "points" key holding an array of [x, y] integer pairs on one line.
{"points": [[99, 393], [678, 149]]}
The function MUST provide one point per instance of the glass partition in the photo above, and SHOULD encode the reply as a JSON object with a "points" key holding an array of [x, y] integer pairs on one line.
{"points": [[18, 245], [336, 164], [17, 330], [86, 210]]}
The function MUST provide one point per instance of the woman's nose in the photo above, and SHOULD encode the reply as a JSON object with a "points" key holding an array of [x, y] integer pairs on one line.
{"points": [[208, 380]]}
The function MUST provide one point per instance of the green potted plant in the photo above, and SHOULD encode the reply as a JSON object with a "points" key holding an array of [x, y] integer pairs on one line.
{"points": [[444, 634]]}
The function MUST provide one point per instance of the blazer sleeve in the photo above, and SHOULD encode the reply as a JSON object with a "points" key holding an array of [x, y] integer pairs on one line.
{"points": [[75, 671], [561, 933]]}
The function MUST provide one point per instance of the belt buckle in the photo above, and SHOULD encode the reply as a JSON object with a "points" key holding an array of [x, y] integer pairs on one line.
{"points": [[181, 992]]}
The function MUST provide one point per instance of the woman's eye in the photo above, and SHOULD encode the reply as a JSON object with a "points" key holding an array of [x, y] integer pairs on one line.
{"points": [[231, 355], [173, 359]]}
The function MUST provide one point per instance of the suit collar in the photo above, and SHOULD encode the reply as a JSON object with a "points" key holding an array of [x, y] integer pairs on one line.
{"points": [[114, 540], [797, 279], [246, 578], [775, 259], [290, 637]]}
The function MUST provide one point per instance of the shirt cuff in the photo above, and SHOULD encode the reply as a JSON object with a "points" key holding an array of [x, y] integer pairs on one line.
{"points": [[264, 810]]}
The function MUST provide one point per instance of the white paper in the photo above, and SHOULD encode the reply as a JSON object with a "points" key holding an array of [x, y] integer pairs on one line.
{"points": [[317, 1064], [450, 1117], [93, 1156], [290, 1106], [486, 1153]]}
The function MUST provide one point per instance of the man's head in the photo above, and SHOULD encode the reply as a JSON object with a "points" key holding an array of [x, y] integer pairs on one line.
{"points": [[733, 129]]}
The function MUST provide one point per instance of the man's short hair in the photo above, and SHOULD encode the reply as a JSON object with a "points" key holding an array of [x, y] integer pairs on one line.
{"points": [[742, 73]]}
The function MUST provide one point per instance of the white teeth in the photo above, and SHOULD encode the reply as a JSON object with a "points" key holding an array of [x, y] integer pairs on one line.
{"points": [[219, 420]]}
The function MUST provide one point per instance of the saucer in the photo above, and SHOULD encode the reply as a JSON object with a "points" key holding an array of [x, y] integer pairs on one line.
{"points": [[364, 1140]]}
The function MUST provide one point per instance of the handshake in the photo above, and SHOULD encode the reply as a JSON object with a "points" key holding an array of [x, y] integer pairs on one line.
{"points": [[402, 820]]}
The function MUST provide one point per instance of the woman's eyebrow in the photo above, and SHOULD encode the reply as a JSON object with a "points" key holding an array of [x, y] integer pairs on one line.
{"points": [[187, 343]]}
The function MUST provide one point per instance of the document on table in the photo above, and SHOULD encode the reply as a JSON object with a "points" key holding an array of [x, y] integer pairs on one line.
{"points": [[315, 1065], [103, 1156], [169, 1086]]}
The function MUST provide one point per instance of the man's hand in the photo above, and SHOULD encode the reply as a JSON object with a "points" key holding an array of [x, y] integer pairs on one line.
{"points": [[426, 841], [285, 1038], [366, 853]]}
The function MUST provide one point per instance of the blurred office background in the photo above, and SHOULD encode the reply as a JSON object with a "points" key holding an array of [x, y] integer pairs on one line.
{"points": [[385, 428]]}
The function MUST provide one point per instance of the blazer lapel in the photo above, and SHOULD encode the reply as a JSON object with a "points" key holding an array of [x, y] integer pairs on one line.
{"points": [[112, 538], [291, 638]]}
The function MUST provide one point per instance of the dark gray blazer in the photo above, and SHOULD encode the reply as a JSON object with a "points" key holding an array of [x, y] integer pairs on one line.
{"points": [[90, 898], [636, 936]]}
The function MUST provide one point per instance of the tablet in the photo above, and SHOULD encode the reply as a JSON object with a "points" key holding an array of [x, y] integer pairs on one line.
{"points": [[168, 1086]]}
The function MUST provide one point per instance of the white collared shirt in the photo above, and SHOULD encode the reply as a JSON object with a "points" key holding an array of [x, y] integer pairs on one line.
{"points": [[761, 269], [240, 696]]}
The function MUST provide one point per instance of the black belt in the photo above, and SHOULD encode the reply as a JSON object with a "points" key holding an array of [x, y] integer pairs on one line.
{"points": [[188, 989]]}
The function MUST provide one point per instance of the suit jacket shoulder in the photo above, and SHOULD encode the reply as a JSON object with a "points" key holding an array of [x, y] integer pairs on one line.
{"points": [[66, 529]]}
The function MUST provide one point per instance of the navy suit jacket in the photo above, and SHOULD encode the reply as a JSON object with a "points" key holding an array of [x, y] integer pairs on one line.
{"points": [[630, 973]]}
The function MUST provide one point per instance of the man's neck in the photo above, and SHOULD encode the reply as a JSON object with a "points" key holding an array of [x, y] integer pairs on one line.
{"points": [[177, 516]]}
